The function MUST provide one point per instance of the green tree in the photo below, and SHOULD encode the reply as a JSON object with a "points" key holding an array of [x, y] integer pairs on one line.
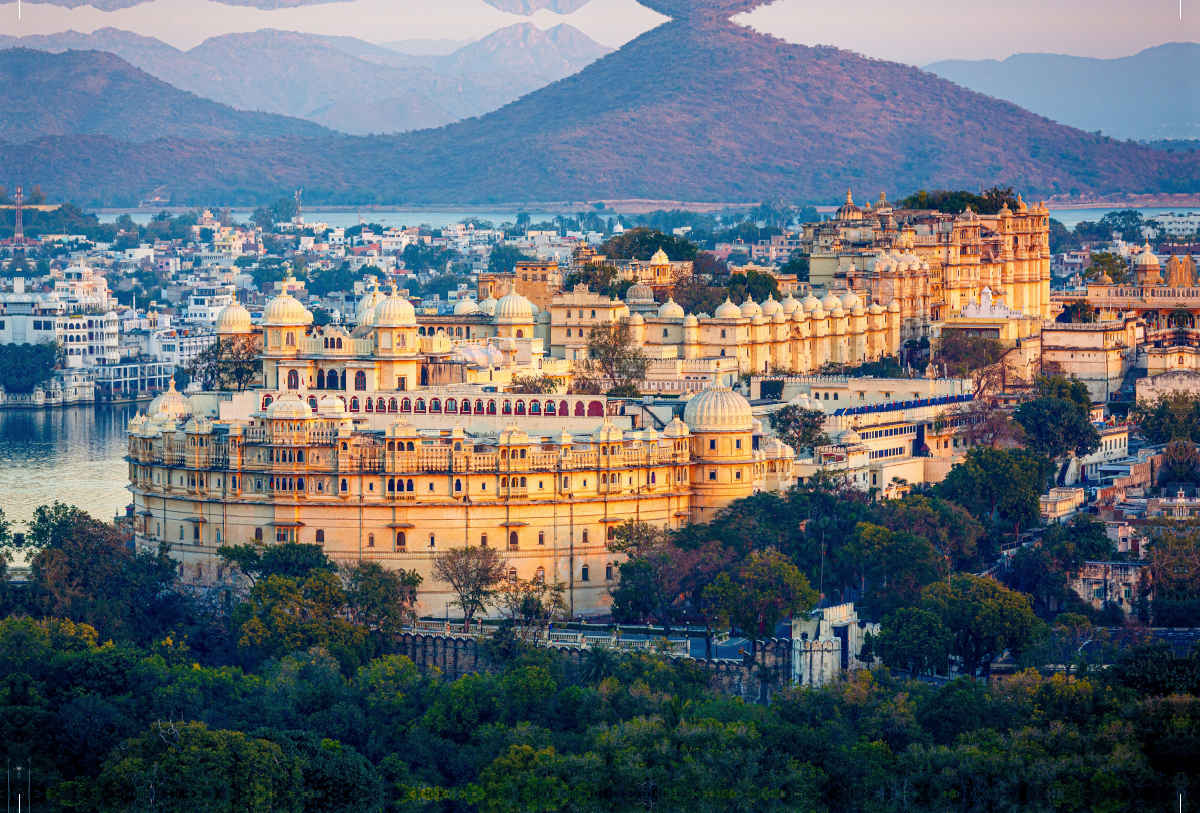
{"points": [[473, 574], [1078, 311], [229, 363], [25, 366], [188, 768], [996, 485], [797, 264], [380, 599], [764, 589], [504, 259], [753, 284], [612, 359], [534, 384], [323, 282], [291, 560], [1057, 428], [1059, 386], [1174, 415], [949, 527], [915, 640], [284, 616], [650, 577], [802, 429], [985, 618], [898, 564], [1113, 265], [641, 243]]}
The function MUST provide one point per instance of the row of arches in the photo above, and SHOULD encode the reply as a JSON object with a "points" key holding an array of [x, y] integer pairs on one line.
{"points": [[452, 406]]}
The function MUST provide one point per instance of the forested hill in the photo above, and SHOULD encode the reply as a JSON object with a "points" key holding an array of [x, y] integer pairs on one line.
{"points": [[91, 92], [696, 109]]}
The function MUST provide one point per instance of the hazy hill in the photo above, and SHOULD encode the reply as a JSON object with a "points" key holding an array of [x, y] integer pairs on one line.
{"points": [[696, 109], [1150, 95], [345, 83], [525, 7], [94, 92]]}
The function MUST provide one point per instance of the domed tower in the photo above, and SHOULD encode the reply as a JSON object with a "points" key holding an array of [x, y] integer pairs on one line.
{"points": [[660, 268], [1146, 267], [234, 320], [721, 430], [285, 323], [849, 212], [514, 317], [395, 326], [640, 299]]}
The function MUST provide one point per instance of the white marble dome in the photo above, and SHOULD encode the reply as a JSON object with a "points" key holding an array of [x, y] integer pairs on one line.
{"points": [[718, 409], [671, 310], [285, 309], [728, 310], [751, 308], [639, 293], [850, 300], [1146, 258], [771, 306], [830, 301], [233, 319], [466, 307], [171, 403], [790, 305], [366, 307], [289, 405], [331, 405], [810, 303], [514, 307], [395, 311], [488, 305]]}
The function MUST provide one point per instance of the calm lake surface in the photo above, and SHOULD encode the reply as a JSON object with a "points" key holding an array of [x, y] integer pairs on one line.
{"points": [[73, 455]]}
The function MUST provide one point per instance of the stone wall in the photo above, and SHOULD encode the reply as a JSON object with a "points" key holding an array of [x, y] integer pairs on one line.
{"points": [[752, 680]]}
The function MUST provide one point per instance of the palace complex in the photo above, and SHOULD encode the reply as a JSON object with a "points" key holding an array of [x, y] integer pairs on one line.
{"points": [[401, 434]]}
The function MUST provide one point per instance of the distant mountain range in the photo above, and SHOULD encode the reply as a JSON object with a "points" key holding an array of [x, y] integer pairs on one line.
{"points": [[89, 92], [696, 109], [344, 83], [525, 7], [1151, 95]]}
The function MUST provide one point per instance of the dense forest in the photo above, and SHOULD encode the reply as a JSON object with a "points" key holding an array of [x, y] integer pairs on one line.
{"points": [[271, 680]]}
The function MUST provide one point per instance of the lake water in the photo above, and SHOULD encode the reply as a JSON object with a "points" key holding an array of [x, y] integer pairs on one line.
{"points": [[386, 219], [74, 455]]}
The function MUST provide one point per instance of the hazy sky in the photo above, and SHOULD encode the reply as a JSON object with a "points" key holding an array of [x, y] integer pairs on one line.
{"points": [[912, 31]]}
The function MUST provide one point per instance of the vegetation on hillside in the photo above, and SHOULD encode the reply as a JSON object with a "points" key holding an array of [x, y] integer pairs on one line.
{"points": [[24, 366]]}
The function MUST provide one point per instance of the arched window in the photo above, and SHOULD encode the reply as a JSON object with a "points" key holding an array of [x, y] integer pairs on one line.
{"points": [[312, 402], [541, 537], [293, 380], [479, 407], [320, 536], [321, 377], [483, 541], [360, 381], [595, 409], [579, 409], [401, 540], [339, 344], [406, 405], [458, 485], [267, 401], [504, 454], [291, 339], [420, 331], [585, 536], [354, 404], [411, 448], [300, 484], [392, 405], [603, 479], [513, 541], [507, 408], [608, 571], [540, 575], [653, 478], [504, 482], [584, 573], [520, 334], [612, 532], [380, 405], [369, 405], [392, 445], [451, 406], [420, 405], [535, 408], [522, 482], [491, 409], [522, 454], [391, 484], [520, 407], [370, 540], [345, 485], [604, 451], [435, 405], [408, 486], [722, 333], [512, 574], [258, 534], [549, 407]]}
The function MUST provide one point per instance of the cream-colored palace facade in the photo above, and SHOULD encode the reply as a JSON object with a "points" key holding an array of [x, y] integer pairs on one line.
{"points": [[345, 447]]}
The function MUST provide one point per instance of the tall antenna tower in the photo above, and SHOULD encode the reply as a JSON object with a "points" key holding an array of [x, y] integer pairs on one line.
{"points": [[19, 227]]}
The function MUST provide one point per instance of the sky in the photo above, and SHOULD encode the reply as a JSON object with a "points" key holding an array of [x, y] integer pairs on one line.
{"points": [[916, 32]]}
